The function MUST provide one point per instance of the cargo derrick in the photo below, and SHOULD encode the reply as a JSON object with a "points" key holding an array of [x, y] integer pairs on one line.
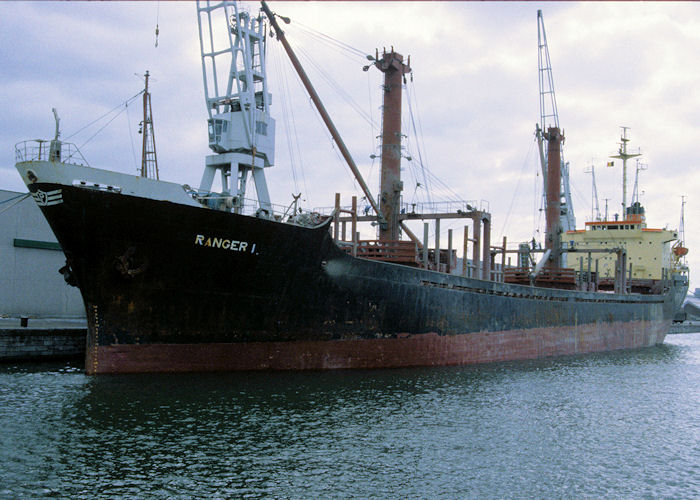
{"points": [[320, 107], [549, 116], [549, 271], [389, 215]]}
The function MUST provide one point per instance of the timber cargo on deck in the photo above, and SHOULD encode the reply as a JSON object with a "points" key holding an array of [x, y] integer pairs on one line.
{"points": [[249, 285]]}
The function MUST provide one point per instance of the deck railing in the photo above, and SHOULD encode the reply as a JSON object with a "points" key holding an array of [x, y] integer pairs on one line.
{"points": [[400, 252], [552, 278], [41, 150]]}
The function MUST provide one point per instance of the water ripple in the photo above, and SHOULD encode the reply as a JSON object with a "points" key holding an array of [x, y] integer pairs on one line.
{"points": [[615, 425]]}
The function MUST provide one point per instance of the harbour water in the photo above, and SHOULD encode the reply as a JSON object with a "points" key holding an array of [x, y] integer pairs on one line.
{"points": [[622, 425]]}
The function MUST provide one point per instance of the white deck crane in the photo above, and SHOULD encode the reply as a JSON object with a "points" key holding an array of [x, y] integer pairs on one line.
{"points": [[241, 131], [549, 117]]}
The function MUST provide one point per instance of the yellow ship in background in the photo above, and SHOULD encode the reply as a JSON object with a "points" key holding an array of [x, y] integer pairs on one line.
{"points": [[651, 260], [648, 250]]}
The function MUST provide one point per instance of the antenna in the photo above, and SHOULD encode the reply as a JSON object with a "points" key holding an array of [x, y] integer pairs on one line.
{"points": [[606, 207], [635, 190], [595, 209]]}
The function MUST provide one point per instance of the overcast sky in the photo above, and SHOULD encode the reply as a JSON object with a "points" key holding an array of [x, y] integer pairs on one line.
{"points": [[474, 97]]}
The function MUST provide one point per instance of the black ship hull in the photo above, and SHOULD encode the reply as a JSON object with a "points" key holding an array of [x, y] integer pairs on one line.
{"points": [[174, 287]]}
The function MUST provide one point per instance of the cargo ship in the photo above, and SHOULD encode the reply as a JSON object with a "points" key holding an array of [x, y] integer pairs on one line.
{"points": [[214, 281]]}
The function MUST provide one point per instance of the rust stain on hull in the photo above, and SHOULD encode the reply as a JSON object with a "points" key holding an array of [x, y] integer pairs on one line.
{"points": [[413, 350]]}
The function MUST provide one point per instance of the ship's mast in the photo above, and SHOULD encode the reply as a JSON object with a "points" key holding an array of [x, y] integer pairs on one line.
{"points": [[623, 155], [149, 161], [241, 130], [394, 69]]}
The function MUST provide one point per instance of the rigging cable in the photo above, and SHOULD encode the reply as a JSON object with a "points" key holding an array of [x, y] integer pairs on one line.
{"points": [[373, 133], [517, 186], [318, 116], [289, 121], [447, 192], [411, 93], [101, 129], [13, 198], [329, 40], [21, 197], [131, 138], [537, 212], [335, 86], [106, 114], [580, 198]]}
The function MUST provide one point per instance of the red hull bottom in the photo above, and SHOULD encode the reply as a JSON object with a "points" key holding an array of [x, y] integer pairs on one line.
{"points": [[411, 350]]}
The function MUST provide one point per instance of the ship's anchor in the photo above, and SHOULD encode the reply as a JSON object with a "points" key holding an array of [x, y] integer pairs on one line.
{"points": [[127, 266], [68, 274]]}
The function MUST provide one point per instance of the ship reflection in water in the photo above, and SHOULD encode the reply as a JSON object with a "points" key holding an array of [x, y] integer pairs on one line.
{"points": [[613, 424]]}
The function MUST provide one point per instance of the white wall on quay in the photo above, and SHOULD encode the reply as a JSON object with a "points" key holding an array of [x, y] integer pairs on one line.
{"points": [[30, 284]]}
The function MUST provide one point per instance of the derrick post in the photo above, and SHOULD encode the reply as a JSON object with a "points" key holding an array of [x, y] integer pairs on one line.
{"points": [[588, 274], [553, 211], [449, 251], [355, 238], [621, 271], [465, 262], [437, 245], [426, 233], [487, 249], [336, 225], [503, 261], [476, 250], [391, 64]]}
